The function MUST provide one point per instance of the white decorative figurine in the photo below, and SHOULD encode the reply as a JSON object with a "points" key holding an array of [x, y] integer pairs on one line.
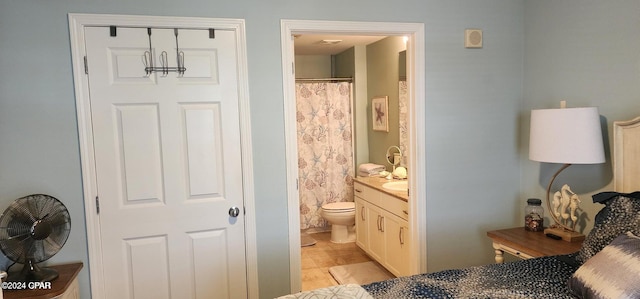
{"points": [[565, 203]]}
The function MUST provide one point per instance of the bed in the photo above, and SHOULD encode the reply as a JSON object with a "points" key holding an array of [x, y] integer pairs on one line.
{"points": [[607, 265]]}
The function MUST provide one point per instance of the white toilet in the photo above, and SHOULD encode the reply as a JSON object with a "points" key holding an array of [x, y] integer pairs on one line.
{"points": [[342, 217]]}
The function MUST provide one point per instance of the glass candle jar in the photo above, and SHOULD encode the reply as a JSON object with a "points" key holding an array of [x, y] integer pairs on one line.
{"points": [[534, 215]]}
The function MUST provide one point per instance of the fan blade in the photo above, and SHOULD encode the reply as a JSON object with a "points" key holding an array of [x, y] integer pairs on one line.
{"points": [[38, 205], [60, 227], [19, 237], [8, 245], [23, 212], [53, 243], [51, 248], [57, 218], [17, 227], [39, 253], [20, 251], [59, 237]]}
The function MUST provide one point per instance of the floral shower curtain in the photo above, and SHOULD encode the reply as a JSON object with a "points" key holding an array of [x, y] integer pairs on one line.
{"points": [[325, 148], [403, 119]]}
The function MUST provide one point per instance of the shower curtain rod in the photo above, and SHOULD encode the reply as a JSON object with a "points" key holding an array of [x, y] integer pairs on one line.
{"points": [[347, 79]]}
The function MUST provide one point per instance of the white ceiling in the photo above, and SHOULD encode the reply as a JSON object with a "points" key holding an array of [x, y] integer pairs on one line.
{"points": [[312, 44]]}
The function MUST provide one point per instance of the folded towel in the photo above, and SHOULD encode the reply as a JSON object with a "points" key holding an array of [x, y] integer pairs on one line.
{"points": [[370, 169]]}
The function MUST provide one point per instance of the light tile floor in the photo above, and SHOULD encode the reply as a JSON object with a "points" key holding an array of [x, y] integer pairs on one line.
{"points": [[318, 258]]}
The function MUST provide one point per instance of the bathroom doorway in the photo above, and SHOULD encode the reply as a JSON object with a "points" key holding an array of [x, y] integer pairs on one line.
{"points": [[414, 33]]}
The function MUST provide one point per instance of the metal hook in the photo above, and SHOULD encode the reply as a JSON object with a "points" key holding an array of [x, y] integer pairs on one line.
{"points": [[179, 56], [164, 63], [181, 67], [147, 59]]}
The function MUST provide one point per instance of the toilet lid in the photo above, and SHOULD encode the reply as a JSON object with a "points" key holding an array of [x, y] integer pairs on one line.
{"points": [[340, 206]]}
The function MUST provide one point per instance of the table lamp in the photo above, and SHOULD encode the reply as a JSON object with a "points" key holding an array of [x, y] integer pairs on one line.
{"points": [[565, 136]]}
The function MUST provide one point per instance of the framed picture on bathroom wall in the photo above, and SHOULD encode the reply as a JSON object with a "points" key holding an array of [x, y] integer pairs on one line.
{"points": [[380, 113]]}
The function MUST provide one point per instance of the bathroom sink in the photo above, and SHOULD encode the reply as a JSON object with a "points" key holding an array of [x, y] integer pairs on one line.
{"points": [[396, 186]]}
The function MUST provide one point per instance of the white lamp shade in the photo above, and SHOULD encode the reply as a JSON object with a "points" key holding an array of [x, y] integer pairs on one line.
{"points": [[566, 135]]}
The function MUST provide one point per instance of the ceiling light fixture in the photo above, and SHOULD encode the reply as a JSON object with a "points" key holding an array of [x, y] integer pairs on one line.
{"points": [[330, 41]]}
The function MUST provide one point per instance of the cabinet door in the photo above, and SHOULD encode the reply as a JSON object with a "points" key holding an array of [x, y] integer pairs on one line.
{"points": [[376, 233], [397, 253], [405, 270], [362, 227]]}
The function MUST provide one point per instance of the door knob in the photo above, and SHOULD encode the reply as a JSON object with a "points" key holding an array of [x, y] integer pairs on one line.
{"points": [[234, 212]]}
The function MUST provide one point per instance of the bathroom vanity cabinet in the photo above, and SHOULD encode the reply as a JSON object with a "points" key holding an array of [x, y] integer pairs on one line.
{"points": [[382, 229]]}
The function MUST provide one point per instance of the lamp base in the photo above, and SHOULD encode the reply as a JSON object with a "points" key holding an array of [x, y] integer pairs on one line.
{"points": [[566, 235]]}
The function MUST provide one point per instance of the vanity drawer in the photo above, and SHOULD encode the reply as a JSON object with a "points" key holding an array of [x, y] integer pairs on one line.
{"points": [[394, 205], [367, 193]]}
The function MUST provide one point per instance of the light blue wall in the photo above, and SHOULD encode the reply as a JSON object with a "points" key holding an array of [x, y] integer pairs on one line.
{"points": [[473, 97], [473, 113], [587, 53]]}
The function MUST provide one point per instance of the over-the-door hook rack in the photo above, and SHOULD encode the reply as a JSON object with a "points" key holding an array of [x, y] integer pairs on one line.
{"points": [[164, 61]]}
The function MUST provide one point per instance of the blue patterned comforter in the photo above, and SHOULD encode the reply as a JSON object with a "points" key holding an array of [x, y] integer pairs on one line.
{"points": [[544, 277]]}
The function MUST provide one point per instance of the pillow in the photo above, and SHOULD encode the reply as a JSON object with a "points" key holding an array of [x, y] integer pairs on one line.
{"points": [[613, 272], [620, 214]]}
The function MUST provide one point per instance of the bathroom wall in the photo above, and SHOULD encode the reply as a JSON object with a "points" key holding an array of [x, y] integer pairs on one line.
{"points": [[313, 66], [353, 63], [383, 69]]}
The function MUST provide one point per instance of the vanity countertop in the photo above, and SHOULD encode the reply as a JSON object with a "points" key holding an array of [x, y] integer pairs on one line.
{"points": [[377, 182]]}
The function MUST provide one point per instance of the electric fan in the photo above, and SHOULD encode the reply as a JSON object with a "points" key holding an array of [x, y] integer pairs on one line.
{"points": [[33, 229]]}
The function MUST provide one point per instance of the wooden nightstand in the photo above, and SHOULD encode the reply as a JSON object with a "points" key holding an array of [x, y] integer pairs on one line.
{"points": [[526, 244], [63, 287]]}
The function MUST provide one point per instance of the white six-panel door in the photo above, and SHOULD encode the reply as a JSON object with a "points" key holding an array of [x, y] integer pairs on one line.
{"points": [[168, 164]]}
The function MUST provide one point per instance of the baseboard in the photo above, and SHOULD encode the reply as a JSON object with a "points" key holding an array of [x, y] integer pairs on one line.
{"points": [[315, 230]]}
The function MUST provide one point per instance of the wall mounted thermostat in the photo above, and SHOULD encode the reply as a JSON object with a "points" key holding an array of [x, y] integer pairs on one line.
{"points": [[473, 38]]}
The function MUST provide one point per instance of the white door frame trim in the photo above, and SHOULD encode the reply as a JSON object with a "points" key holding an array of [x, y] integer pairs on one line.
{"points": [[77, 23], [417, 173]]}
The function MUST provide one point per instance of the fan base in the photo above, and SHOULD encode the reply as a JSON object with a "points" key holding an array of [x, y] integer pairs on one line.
{"points": [[31, 272]]}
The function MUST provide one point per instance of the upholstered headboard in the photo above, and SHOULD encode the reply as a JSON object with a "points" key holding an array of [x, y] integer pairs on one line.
{"points": [[626, 155]]}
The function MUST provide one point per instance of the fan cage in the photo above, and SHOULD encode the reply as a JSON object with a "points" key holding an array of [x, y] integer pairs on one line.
{"points": [[34, 228]]}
